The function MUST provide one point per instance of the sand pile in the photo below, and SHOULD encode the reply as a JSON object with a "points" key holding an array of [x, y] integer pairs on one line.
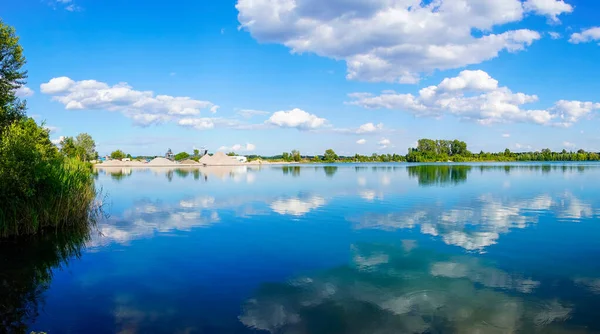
{"points": [[219, 159], [188, 162], [110, 163], [161, 162]]}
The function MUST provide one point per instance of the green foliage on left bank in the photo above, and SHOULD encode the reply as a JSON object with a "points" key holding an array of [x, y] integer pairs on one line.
{"points": [[41, 188]]}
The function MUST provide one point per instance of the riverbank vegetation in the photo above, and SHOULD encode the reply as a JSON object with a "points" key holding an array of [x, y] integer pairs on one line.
{"points": [[429, 150], [42, 187]]}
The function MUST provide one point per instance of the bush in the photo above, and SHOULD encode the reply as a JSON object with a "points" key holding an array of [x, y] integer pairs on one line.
{"points": [[118, 155], [40, 188], [181, 156]]}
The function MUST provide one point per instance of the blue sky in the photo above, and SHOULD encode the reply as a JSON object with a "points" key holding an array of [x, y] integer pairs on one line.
{"points": [[358, 76]]}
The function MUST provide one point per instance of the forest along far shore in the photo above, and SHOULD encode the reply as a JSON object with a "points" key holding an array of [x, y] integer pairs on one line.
{"points": [[427, 151]]}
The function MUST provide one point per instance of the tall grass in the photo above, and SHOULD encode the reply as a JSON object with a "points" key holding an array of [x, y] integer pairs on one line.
{"points": [[64, 198], [39, 188]]}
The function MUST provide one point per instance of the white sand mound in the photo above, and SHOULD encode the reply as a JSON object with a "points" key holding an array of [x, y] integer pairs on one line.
{"points": [[161, 162], [188, 162], [109, 163], [219, 159]]}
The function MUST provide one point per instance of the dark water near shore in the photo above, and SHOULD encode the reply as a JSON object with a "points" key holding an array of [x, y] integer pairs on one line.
{"points": [[321, 249]]}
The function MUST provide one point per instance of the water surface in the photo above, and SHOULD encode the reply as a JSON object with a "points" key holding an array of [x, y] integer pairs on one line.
{"points": [[322, 249]]}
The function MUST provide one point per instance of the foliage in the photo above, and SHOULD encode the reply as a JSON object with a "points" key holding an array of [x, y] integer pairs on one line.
{"points": [[82, 147], [40, 188], [181, 156], [196, 152], [118, 155], [295, 156], [330, 156], [12, 77], [231, 154]]}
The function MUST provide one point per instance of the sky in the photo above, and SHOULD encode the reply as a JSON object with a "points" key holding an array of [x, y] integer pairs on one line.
{"points": [[357, 76]]}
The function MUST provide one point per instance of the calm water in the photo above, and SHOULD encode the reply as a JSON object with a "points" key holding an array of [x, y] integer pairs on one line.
{"points": [[322, 249]]}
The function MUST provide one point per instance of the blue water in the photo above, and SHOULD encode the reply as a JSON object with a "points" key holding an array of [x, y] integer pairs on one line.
{"points": [[336, 249]]}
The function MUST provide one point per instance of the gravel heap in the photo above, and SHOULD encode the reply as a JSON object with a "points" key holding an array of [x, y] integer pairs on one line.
{"points": [[161, 162], [219, 159]]}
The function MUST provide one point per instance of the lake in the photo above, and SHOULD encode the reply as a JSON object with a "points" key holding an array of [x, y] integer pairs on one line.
{"points": [[480, 248]]}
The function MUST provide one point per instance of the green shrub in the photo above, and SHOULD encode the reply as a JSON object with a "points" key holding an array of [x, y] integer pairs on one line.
{"points": [[40, 188]]}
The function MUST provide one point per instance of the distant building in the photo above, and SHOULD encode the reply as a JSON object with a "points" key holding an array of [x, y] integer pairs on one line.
{"points": [[126, 159], [170, 155], [241, 158]]}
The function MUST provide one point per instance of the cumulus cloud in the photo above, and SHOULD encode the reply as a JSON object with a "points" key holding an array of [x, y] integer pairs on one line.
{"points": [[58, 140], [24, 91], [476, 96], [384, 143], [361, 141], [549, 8], [239, 148], [569, 144], [369, 128], [296, 118], [585, 36], [395, 40], [144, 107]]}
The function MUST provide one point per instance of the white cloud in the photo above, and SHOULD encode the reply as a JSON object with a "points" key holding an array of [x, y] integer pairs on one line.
{"points": [[384, 143], [369, 128], [239, 148], [58, 140], [361, 141], [550, 8], [214, 109], [476, 96], [24, 91], [296, 118], [67, 5], [144, 107], [569, 145], [506, 135], [554, 35], [197, 123], [395, 40], [249, 113], [587, 35]]}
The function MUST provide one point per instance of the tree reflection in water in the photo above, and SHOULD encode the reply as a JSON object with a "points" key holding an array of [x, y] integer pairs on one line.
{"points": [[26, 272]]}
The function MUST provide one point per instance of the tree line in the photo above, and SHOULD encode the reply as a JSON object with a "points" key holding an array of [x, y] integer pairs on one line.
{"points": [[430, 150]]}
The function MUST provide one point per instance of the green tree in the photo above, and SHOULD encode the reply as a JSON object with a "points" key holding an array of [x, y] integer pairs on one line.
{"points": [[196, 152], [87, 145], [231, 154], [296, 156], [181, 156], [286, 156], [12, 77], [118, 155], [330, 156], [68, 147]]}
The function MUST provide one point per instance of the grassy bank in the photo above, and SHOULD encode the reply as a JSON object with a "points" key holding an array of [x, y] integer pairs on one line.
{"points": [[41, 189]]}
